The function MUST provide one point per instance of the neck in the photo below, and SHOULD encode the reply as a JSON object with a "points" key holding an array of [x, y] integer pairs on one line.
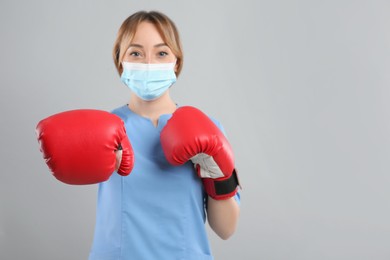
{"points": [[152, 109]]}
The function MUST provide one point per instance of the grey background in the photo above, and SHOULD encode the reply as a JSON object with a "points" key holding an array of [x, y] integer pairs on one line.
{"points": [[301, 87]]}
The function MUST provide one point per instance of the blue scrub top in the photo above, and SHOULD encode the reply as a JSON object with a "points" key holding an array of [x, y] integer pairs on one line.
{"points": [[156, 212]]}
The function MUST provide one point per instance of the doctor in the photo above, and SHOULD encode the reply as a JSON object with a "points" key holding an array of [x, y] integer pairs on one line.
{"points": [[158, 211]]}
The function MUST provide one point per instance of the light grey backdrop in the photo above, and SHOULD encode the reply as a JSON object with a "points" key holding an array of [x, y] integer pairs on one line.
{"points": [[302, 88]]}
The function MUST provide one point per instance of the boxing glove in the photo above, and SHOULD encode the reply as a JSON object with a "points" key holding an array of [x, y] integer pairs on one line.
{"points": [[79, 146], [190, 135]]}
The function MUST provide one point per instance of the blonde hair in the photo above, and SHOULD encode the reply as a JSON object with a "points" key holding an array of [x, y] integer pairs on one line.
{"points": [[165, 27]]}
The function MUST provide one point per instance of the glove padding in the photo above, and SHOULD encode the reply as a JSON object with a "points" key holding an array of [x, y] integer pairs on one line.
{"points": [[190, 135], [79, 146]]}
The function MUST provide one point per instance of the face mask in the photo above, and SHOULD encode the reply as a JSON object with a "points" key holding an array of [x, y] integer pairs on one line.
{"points": [[148, 81]]}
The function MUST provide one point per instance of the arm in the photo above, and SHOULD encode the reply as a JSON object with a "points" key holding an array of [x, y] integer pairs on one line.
{"points": [[222, 216], [190, 135]]}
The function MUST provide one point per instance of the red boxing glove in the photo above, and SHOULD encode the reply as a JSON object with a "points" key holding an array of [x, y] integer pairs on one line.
{"points": [[80, 146], [190, 135]]}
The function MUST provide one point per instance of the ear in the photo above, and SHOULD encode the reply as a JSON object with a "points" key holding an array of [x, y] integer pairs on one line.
{"points": [[176, 66]]}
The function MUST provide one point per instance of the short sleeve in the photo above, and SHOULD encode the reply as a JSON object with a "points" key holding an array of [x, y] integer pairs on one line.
{"points": [[219, 125], [237, 197]]}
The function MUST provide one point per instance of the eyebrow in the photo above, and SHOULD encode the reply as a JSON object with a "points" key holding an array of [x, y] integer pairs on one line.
{"points": [[140, 46]]}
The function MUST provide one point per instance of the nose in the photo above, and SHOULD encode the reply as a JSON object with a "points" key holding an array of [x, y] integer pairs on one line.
{"points": [[148, 58]]}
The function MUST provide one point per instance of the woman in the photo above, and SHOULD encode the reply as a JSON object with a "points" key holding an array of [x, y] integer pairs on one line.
{"points": [[159, 210]]}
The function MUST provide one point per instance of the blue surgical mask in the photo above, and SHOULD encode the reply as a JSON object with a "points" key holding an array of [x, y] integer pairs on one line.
{"points": [[148, 81]]}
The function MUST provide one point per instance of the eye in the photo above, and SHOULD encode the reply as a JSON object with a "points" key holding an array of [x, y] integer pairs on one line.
{"points": [[162, 53], [135, 54]]}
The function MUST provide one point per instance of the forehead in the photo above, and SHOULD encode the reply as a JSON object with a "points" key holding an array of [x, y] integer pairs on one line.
{"points": [[147, 33]]}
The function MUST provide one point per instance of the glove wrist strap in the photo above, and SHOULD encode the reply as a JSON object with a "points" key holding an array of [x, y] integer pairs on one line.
{"points": [[222, 189]]}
